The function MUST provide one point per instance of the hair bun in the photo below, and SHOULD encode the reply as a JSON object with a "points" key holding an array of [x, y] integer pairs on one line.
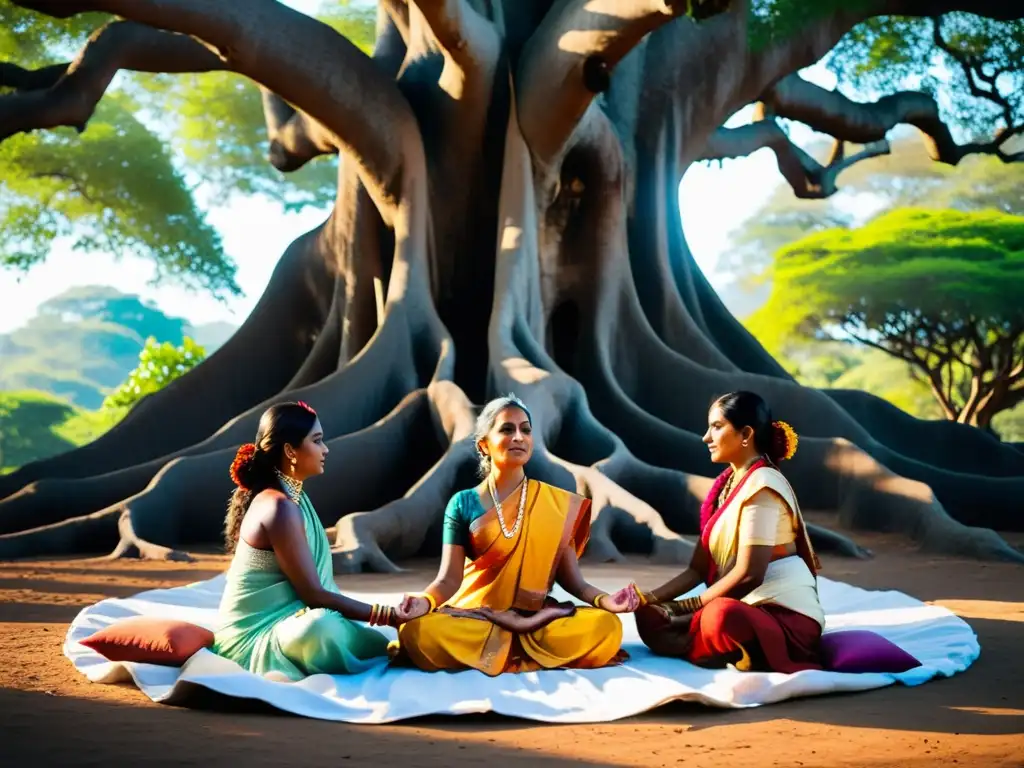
{"points": [[784, 441], [241, 465]]}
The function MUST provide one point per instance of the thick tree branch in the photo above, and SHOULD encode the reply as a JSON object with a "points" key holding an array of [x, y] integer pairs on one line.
{"points": [[833, 113], [998, 10], [295, 137], [67, 94], [332, 82], [569, 59], [20, 79], [466, 37], [809, 179]]}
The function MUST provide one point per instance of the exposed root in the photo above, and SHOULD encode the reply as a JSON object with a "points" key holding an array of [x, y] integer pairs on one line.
{"points": [[408, 525], [404, 527], [269, 347], [131, 546], [825, 540], [351, 399], [91, 533]]}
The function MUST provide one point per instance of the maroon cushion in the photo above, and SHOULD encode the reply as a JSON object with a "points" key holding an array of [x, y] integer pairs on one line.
{"points": [[859, 650], [150, 641]]}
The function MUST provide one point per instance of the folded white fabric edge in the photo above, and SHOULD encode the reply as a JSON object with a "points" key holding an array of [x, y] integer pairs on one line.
{"points": [[941, 641]]}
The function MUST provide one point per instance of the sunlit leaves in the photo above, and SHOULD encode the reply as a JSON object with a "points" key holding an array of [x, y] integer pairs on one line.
{"points": [[159, 365], [890, 53], [771, 21], [32, 39], [114, 189], [157, 143], [938, 288]]}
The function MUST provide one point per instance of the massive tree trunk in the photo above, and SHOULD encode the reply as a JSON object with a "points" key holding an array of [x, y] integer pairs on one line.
{"points": [[508, 176]]}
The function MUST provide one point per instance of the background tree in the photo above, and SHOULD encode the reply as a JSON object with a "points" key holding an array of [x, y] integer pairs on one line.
{"points": [[159, 365], [907, 177], [507, 190], [938, 290], [160, 150]]}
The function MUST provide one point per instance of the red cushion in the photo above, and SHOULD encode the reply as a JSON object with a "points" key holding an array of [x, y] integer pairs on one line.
{"points": [[150, 641]]}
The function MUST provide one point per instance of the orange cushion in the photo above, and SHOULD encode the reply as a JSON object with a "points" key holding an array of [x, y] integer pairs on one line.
{"points": [[150, 641]]}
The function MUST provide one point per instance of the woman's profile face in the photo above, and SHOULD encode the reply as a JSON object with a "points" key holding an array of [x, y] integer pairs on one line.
{"points": [[310, 455], [509, 442], [724, 441]]}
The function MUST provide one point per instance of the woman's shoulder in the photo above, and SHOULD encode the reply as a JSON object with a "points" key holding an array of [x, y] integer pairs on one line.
{"points": [[466, 496], [769, 478]]}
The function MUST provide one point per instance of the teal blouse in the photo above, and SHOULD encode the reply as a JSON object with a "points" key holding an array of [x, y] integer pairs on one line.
{"points": [[463, 508]]}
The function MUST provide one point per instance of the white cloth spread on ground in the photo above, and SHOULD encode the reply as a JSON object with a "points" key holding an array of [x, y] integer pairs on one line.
{"points": [[942, 642]]}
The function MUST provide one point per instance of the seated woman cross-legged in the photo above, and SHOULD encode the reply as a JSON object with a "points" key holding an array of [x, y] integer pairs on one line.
{"points": [[493, 611], [281, 614], [761, 609]]}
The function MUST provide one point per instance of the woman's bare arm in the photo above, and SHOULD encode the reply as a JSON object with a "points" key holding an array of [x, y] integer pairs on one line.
{"points": [[449, 573], [287, 533], [748, 574]]}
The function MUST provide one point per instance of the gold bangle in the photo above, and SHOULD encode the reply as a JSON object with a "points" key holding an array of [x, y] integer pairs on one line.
{"points": [[373, 615], [646, 598], [597, 600], [691, 604]]}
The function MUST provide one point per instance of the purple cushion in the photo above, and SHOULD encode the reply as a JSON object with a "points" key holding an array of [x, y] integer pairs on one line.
{"points": [[858, 650]]}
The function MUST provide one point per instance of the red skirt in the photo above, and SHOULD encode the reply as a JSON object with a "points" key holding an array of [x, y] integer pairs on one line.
{"points": [[728, 631]]}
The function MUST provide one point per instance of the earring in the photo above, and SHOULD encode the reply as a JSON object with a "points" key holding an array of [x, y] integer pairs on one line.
{"points": [[291, 470], [744, 443]]}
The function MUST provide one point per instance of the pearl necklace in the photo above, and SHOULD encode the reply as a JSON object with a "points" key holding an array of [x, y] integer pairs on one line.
{"points": [[497, 508], [292, 487]]}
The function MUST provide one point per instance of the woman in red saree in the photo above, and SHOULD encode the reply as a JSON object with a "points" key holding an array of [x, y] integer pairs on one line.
{"points": [[761, 609]]}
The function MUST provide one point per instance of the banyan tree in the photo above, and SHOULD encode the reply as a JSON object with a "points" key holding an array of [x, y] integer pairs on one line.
{"points": [[507, 219]]}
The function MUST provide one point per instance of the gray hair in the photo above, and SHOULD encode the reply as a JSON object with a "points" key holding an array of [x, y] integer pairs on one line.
{"points": [[485, 422]]}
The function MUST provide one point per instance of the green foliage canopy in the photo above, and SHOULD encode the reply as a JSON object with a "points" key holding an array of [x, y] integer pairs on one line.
{"points": [[938, 289], [157, 150]]}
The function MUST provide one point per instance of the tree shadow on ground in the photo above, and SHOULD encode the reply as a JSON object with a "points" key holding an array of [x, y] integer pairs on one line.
{"points": [[144, 736]]}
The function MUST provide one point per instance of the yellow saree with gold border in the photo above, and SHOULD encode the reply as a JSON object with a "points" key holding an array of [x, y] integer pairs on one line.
{"points": [[517, 573]]}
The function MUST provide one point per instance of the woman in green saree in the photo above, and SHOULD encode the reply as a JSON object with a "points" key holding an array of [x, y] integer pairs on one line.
{"points": [[281, 613]]}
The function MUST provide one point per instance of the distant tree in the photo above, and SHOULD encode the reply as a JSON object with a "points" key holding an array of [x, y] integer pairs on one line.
{"points": [[940, 290], [907, 177], [160, 150], [159, 365], [27, 427]]}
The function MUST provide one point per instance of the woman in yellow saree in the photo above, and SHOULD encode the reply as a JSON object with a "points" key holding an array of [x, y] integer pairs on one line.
{"points": [[505, 543]]}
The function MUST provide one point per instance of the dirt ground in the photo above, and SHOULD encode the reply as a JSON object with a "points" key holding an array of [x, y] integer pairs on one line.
{"points": [[51, 715]]}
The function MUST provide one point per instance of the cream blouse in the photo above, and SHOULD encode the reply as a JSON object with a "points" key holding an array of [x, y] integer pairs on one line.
{"points": [[765, 513]]}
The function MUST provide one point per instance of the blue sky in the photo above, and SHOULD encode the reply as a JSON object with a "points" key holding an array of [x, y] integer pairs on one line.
{"points": [[714, 198]]}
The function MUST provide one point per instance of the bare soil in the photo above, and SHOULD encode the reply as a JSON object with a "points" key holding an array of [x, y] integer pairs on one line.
{"points": [[51, 715]]}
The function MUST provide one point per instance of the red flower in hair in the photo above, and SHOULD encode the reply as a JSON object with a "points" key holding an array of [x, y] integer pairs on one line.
{"points": [[301, 404], [244, 456]]}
